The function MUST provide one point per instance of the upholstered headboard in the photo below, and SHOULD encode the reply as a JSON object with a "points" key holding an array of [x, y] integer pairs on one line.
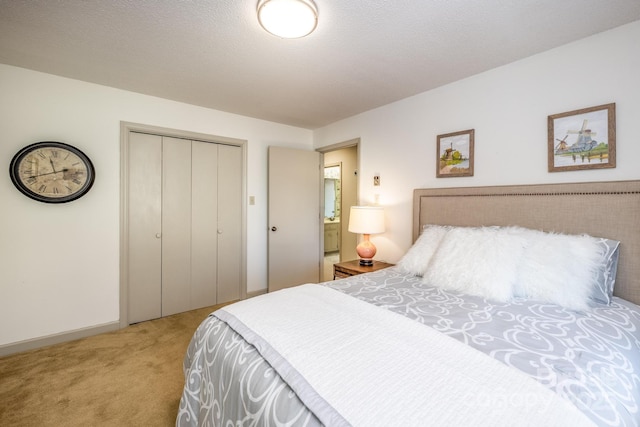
{"points": [[600, 209]]}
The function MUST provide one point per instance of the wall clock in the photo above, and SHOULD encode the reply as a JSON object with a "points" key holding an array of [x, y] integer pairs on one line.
{"points": [[52, 172]]}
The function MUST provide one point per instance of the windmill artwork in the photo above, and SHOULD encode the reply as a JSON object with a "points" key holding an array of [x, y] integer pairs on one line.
{"points": [[582, 139], [454, 154]]}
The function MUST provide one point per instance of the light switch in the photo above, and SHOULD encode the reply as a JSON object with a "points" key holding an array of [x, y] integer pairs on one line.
{"points": [[252, 200]]}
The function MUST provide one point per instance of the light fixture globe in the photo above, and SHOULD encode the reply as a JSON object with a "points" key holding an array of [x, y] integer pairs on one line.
{"points": [[289, 19]]}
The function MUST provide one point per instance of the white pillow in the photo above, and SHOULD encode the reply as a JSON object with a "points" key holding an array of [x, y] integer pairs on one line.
{"points": [[416, 260], [606, 273], [559, 268], [477, 261]]}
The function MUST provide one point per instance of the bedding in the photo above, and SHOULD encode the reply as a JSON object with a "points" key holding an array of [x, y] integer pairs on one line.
{"points": [[559, 268], [416, 260], [588, 359], [502, 262], [479, 261], [606, 272], [584, 353]]}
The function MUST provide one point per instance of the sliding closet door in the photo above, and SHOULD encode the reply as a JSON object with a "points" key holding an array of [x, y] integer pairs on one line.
{"points": [[145, 227], [204, 236], [229, 222]]}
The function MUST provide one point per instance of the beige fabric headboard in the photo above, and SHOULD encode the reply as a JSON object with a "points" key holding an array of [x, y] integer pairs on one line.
{"points": [[601, 209]]}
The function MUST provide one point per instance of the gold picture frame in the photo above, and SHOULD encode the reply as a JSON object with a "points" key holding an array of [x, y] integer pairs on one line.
{"points": [[454, 156], [582, 139]]}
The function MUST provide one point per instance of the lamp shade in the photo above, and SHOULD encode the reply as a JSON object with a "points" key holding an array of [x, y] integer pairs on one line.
{"points": [[366, 219], [288, 19]]}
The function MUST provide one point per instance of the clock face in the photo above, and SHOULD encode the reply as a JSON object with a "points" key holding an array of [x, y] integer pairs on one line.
{"points": [[52, 172]]}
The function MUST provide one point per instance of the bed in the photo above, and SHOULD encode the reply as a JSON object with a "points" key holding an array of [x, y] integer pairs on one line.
{"points": [[447, 337]]}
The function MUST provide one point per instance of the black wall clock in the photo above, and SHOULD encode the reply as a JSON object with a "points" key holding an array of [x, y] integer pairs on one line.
{"points": [[52, 172]]}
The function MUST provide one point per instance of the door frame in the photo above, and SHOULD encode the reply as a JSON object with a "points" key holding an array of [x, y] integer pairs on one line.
{"points": [[355, 142], [126, 128]]}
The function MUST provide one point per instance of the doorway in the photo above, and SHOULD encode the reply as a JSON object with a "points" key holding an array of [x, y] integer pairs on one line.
{"points": [[340, 193], [332, 217]]}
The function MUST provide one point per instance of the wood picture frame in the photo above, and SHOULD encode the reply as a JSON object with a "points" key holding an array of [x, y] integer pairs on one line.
{"points": [[582, 139], [454, 155]]}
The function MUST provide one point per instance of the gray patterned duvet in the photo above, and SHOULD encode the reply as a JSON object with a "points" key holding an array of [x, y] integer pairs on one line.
{"points": [[592, 359]]}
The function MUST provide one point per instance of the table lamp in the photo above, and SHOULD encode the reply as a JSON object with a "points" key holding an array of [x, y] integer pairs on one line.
{"points": [[366, 220]]}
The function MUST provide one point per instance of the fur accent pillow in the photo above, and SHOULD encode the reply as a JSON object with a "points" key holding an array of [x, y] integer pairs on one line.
{"points": [[416, 260], [559, 268], [477, 261]]}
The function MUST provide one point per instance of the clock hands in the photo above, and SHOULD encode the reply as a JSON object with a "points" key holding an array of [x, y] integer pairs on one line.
{"points": [[49, 173], [52, 167]]}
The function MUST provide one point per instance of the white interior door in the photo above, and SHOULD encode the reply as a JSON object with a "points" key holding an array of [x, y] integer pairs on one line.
{"points": [[176, 226], [145, 227], [229, 226], [293, 217], [204, 236]]}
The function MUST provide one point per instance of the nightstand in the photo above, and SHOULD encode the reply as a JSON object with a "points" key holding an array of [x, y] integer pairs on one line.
{"points": [[353, 268]]}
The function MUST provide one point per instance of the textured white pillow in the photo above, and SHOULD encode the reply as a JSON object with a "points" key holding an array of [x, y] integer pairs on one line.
{"points": [[606, 273], [416, 260], [559, 268], [477, 261]]}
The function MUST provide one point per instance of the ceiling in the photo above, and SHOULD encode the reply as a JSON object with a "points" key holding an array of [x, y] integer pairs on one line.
{"points": [[363, 54]]}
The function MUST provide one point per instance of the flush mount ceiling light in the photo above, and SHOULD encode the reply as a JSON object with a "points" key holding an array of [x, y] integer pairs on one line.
{"points": [[289, 19]]}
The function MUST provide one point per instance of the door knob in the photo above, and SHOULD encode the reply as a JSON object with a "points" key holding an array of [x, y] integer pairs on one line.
{"points": [[220, 231], [158, 235], [274, 228]]}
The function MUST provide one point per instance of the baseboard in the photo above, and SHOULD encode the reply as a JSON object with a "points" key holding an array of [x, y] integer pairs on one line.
{"points": [[34, 343]]}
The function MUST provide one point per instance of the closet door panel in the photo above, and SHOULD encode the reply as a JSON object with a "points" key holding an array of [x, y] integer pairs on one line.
{"points": [[176, 226], [144, 227], [229, 222], [204, 234]]}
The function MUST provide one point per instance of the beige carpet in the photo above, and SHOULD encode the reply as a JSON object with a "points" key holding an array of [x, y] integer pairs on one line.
{"points": [[131, 377]]}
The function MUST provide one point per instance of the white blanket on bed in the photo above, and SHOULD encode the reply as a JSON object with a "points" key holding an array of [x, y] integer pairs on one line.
{"points": [[377, 368]]}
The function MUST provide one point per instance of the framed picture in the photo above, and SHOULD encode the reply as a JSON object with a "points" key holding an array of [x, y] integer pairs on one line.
{"points": [[455, 154], [582, 139]]}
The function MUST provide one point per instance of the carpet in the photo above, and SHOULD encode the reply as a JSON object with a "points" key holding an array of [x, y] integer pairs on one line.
{"points": [[129, 377]]}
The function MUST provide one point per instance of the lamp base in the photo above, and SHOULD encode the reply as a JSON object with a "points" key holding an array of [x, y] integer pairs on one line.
{"points": [[366, 251]]}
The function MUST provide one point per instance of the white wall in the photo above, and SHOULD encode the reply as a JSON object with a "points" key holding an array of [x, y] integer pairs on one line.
{"points": [[59, 264], [508, 108]]}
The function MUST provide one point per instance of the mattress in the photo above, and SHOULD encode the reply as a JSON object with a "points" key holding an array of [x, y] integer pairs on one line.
{"points": [[591, 359]]}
